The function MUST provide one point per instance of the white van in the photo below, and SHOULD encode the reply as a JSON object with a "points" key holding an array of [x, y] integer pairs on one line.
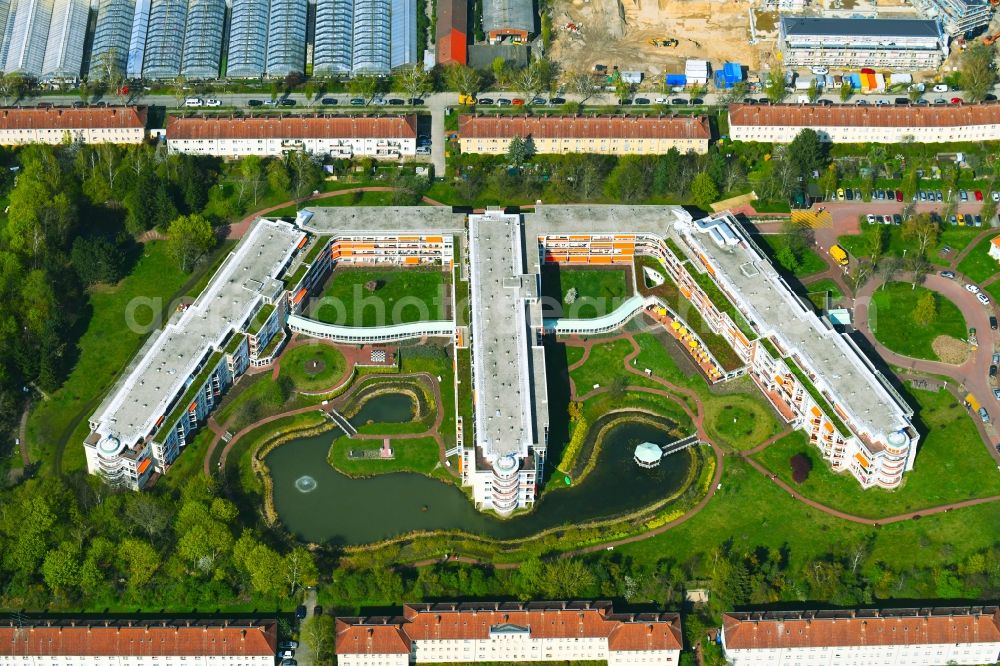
{"points": [[192, 101]]}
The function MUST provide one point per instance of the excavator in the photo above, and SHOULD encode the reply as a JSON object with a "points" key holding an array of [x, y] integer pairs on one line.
{"points": [[989, 39], [671, 42]]}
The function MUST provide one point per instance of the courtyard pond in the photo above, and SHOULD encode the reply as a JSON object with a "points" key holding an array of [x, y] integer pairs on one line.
{"points": [[321, 505]]}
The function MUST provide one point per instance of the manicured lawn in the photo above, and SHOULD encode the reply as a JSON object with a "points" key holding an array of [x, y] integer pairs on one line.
{"points": [[419, 454], [978, 264], [104, 349], [314, 367], [439, 364], [952, 464], [819, 291], [994, 290], [403, 295], [750, 511], [890, 316], [894, 244], [598, 291], [809, 262], [604, 367], [740, 421], [573, 354]]}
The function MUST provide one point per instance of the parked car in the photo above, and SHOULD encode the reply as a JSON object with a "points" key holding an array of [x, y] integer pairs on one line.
{"points": [[961, 220], [79, 105], [697, 101], [517, 101], [415, 101], [357, 101], [996, 357], [540, 101], [948, 274], [300, 612], [840, 194], [939, 196], [825, 102], [503, 101], [288, 645], [978, 219], [556, 101], [870, 219], [996, 394], [979, 195], [329, 101], [899, 195], [897, 219], [423, 150], [213, 102], [680, 101], [995, 195], [953, 220], [270, 102], [983, 298], [956, 100], [287, 102], [923, 195], [395, 101], [940, 87], [379, 101], [286, 654], [862, 102], [641, 100], [972, 289], [993, 326], [849, 194], [887, 219], [902, 101], [289, 662], [192, 102], [940, 100], [993, 370], [879, 194], [963, 195], [485, 101], [764, 100], [317, 611], [857, 194]]}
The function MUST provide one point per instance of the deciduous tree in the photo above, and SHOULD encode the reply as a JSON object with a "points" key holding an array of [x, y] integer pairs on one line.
{"points": [[189, 238], [925, 311]]}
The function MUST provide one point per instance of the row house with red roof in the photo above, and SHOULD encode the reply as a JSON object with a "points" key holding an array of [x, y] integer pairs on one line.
{"points": [[509, 632], [19, 126], [896, 637], [139, 642], [866, 124], [343, 137]]}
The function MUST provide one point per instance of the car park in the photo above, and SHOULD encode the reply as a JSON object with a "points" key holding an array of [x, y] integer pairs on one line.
{"points": [[972, 289], [329, 101], [870, 219], [979, 195], [948, 274], [983, 298], [357, 101]]}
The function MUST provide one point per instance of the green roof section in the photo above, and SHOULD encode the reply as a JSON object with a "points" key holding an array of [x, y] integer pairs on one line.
{"points": [[770, 347], [314, 251], [234, 343], [258, 320], [723, 303], [819, 398]]}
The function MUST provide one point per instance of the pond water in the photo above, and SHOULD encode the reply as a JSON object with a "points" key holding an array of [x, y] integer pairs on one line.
{"points": [[342, 510]]}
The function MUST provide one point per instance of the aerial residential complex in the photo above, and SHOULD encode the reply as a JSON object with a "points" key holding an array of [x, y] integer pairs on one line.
{"points": [[163, 39], [19, 126], [510, 632], [181, 372], [904, 637], [866, 124], [610, 135], [890, 43], [138, 642], [816, 378], [383, 137], [958, 16]]}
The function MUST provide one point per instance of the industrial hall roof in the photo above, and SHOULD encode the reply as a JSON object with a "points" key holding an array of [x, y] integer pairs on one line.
{"points": [[769, 630], [292, 127], [840, 27], [113, 117], [808, 115], [584, 127], [148, 638]]}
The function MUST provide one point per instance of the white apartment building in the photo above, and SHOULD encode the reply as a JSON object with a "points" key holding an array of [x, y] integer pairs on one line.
{"points": [[915, 44], [138, 642], [383, 137], [20, 126], [181, 372], [866, 124], [509, 632], [606, 135], [904, 637]]}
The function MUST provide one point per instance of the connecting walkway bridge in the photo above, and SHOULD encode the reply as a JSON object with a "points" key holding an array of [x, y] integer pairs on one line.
{"points": [[344, 424], [680, 445]]}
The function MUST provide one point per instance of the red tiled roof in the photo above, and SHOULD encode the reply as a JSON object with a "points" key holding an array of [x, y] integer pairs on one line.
{"points": [[293, 127], [371, 639], [129, 117], [762, 631], [146, 638], [584, 127], [451, 622], [807, 115]]}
